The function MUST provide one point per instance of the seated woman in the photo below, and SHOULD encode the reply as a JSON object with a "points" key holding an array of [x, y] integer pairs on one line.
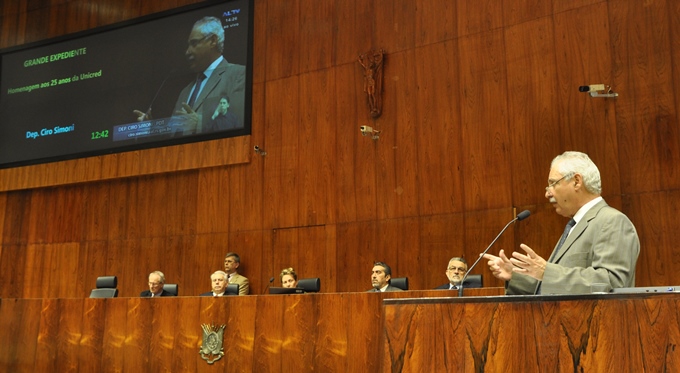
{"points": [[288, 278]]}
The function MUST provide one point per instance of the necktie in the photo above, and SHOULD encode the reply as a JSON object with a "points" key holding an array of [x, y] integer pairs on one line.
{"points": [[565, 234], [197, 87]]}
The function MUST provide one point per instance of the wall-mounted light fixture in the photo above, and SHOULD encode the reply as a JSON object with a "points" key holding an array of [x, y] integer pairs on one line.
{"points": [[598, 90], [366, 130], [259, 151]]}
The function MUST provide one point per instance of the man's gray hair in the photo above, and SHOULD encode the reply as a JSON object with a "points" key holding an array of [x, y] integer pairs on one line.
{"points": [[160, 274], [211, 26], [458, 259], [386, 268], [221, 273], [579, 163]]}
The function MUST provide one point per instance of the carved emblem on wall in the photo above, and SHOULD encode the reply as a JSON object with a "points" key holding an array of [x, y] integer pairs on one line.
{"points": [[372, 63], [213, 337]]}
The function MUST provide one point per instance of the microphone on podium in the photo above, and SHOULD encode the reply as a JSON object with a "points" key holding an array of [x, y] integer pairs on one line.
{"points": [[521, 216]]}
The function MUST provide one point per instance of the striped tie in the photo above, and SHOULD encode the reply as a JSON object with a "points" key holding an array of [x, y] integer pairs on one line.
{"points": [[197, 87], [565, 234]]}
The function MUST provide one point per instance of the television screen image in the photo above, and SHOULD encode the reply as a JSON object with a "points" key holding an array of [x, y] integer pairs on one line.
{"points": [[171, 78]]}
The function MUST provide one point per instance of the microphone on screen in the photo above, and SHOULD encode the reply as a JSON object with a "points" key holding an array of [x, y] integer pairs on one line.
{"points": [[521, 216], [167, 76]]}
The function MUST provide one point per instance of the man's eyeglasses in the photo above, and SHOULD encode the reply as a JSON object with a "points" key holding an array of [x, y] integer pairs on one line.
{"points": [[154, 283], [552, 185], [457, 269], [195, 42]]}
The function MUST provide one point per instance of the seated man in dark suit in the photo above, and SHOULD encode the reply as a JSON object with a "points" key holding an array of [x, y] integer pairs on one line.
{"points": [[380, 278], [219, 285], [156, 282], [455, 272]]}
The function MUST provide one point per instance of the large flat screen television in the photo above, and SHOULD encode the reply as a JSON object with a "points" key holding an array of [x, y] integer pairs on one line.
{"points": [[129, 86]]}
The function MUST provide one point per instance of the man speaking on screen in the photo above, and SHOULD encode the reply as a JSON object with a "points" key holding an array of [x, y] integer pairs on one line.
{"points": [[215, 78]]}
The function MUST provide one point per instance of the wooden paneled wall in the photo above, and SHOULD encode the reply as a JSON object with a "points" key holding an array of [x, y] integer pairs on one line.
{"points": [[479, 96]]}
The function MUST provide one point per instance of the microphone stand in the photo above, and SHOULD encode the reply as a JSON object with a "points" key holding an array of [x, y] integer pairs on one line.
{"points": [[268, 285], [523, 215]]}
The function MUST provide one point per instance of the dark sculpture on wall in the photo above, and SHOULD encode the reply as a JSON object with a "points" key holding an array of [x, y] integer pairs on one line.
{"points": [[373, 76]]}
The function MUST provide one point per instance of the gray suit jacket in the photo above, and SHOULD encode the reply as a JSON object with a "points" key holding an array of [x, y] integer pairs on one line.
{"points": [[227, 79], [602, 248]]}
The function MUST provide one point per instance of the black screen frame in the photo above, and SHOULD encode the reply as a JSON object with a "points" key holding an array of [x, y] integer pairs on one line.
{"points": [[155, 86]]}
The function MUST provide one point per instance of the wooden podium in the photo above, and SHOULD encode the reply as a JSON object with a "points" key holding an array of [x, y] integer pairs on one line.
{"points": [[588, 333]]}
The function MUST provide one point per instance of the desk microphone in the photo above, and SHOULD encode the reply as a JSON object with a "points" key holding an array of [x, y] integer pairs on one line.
{"points": [[271, 279], [521, 216]]}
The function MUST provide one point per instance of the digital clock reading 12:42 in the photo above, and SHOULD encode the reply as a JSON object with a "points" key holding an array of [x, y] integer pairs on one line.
{"points": [[100, 135]]}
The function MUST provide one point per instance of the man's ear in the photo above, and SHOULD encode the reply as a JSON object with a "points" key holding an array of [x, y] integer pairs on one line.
{"points": [[578, 181], [213, 41]]}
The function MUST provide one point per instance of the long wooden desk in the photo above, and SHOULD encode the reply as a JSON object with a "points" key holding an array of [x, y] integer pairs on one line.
{"points": [[345, 332], [328, 332]]}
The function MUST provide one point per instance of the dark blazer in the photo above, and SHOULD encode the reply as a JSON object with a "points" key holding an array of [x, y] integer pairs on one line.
{"points": [[466, 285], [389, 288], [147, 294], [602, 248], [210, 294]]}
